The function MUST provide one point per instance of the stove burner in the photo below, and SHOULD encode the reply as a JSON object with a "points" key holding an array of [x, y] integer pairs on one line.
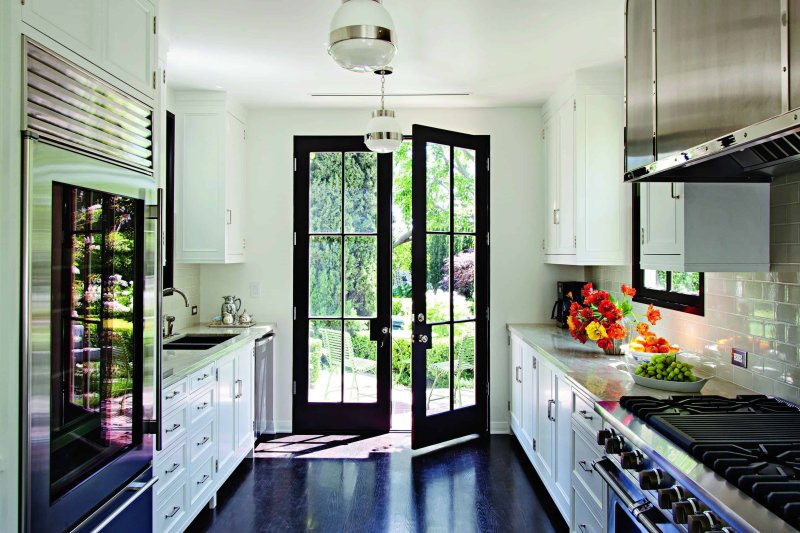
{"points": [[753, 441]]}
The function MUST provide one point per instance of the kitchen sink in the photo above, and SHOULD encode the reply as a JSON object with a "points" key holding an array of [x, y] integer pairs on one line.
{"points": [[197, 342]]}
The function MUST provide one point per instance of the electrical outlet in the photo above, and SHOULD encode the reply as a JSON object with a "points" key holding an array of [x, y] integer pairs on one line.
{"points": [[194, 310], [739, 357], [255, 289]]}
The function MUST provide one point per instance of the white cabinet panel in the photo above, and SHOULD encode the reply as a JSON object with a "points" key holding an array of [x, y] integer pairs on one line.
{"points": [[209, 179], [529, 394], [565, 214], [130, 51], [516, 385], [244, 400], [545, 430], [563, 429], [226, 412], [551, 150], [661, 214], [117, 36]]}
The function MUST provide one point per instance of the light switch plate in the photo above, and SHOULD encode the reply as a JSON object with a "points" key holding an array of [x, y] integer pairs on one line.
{"points": [[194, 310], [255, 289], [739, 357]]}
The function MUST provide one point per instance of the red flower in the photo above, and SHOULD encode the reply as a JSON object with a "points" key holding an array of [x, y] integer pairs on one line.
{"points": [[653, 315], [587, 290], [574, 308], [582, 337], [607, 309], [587, 313], [628, 291], [616, 331], [605, 343]]}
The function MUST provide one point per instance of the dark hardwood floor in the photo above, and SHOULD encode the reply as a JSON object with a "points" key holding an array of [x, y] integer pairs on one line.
{"points": [[480, 485]]}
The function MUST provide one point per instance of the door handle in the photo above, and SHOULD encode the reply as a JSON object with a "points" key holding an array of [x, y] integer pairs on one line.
{"points": [[239, 385], [585, 467], [229, 215], [155, 426], [202, 442], [672, 192], [585, 416], [550, 404], [555, 216], [378, 334]]}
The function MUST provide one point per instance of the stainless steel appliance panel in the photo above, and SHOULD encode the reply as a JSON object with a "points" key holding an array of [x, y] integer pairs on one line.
{"points": [[639, 98], [718, 69], [46, 163]]}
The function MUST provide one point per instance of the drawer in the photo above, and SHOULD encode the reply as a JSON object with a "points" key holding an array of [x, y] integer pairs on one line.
{"points": [[170, 466], [174, 426], [585, 454], [201, 482], [201, 378], [201, 405], [173, 395], [584, 521], [201, 443], [583, 412], [172, 510]]}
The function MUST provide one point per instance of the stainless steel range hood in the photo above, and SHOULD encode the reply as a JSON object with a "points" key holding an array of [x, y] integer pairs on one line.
{"points": [[756, 153]]}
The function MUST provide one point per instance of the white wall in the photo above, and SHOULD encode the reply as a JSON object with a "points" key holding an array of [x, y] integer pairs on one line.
{"points": [[10, 102], [522, 287]]}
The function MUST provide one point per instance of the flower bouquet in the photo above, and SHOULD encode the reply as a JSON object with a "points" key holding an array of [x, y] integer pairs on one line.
{"points": [[602, 318]]}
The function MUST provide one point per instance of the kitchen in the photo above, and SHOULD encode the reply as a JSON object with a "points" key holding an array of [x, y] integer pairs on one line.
{"points": [[246, 294]]}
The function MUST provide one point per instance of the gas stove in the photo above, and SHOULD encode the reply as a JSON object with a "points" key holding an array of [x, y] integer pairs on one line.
{"points": [[703, 463]]}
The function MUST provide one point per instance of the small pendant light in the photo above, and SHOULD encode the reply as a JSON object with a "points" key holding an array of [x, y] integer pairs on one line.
{"points": [[362, 36], [384, 134]]}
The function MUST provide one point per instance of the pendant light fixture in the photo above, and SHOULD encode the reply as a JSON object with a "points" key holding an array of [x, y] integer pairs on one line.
{"points": [[384, 134], [362, 37]]}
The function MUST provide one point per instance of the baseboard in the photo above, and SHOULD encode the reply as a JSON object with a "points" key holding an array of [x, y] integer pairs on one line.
{"points": [[499, 427], [283, 426]]}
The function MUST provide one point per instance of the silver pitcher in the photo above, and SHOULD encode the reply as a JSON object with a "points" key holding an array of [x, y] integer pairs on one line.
{"points": [[230, 304]]}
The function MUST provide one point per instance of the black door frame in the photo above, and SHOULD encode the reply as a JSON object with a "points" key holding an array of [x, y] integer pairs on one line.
{"points": [[448, 425], [363, 418]]}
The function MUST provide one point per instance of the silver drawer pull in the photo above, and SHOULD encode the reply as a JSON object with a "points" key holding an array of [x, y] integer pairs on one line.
{"points": [[584, 415], [583, 527], [585, 467], [203, 480], [205, 439], [173, 513], [203, 377], [201, 407], [239, 385], [175, 466], [173, 395], [173, 428]]}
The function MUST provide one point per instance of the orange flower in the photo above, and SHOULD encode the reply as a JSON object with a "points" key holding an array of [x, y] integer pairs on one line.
{"points": [[653, 315], [616, 331], [628, 291], [571, 323], [642, 328]]}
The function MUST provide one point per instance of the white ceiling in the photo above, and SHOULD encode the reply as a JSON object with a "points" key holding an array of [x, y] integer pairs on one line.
{"points": [[505, 52]]}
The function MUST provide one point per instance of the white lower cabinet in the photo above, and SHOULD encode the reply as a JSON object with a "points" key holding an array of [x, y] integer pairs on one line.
{"points": [[544, 414], [208, 430]]}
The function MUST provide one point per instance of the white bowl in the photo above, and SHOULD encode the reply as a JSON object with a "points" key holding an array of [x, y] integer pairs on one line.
{"points": [[674, 386]]}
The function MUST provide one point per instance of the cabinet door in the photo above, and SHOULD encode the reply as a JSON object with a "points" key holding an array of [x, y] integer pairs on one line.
{"points": [[516, 384], [234, 190], [73, 23], [661, 215], [244, 399], [226, 411], [130, 52], [551, 138], [565, 214], [545, 413], [563, 436], [529, 388]]}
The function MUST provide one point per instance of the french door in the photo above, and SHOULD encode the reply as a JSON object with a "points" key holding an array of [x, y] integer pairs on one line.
{"points": [[450, 291], [342, 293]]}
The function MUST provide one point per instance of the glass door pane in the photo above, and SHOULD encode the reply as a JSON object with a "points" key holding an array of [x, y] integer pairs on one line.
{"points": [[97, 270]]}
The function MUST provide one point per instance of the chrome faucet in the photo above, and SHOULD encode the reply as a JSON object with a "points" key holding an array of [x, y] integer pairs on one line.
{"points": [[169, 321]]}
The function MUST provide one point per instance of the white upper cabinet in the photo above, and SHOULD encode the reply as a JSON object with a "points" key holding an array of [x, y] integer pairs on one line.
{"points": [[118, 36], [210, 171], [586, 218], [705, 227]]}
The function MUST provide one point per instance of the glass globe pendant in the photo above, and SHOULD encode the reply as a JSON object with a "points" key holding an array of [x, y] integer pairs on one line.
{"points": [[362, 36], [384, 134]]}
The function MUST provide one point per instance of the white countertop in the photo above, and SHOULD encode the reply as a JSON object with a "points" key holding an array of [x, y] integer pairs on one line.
{"points": [[603, 377], [178, 364]]}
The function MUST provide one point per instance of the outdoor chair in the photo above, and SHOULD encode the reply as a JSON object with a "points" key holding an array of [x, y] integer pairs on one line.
{"points": [[332, 343], [465, 360]]}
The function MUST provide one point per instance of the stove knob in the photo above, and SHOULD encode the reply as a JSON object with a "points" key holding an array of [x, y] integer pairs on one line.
{"points": [[632, 460], [666, 497], [703, 522], [603, 435], [615, 445], [681, 511], [654, 479]]}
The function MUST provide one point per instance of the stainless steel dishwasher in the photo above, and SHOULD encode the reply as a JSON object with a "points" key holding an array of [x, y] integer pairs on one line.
{"points": [[265, 422]]}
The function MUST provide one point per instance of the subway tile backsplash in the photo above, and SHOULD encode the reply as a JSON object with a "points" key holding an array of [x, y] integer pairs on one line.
{"points": [[755, 311]]}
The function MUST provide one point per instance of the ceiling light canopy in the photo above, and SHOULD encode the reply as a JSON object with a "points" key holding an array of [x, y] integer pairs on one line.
{"points": [[362, 37], [384, 134]]}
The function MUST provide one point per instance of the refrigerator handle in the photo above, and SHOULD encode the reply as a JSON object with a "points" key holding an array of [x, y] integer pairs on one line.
{"points": [[155, 426]]}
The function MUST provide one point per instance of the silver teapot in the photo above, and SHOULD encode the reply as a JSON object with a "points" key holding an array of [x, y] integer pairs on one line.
{"points": [[230, 305]]}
